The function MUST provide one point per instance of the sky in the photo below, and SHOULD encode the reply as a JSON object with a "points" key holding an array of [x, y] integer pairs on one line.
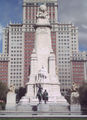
{"points": [[69, 11], [75, 11]]}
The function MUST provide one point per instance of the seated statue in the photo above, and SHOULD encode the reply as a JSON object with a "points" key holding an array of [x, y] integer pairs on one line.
{"points": [[42, 15], [12, 88], [74, 94]]}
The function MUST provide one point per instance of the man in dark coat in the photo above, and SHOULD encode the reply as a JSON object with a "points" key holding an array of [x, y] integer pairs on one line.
{"points": [[45, 96]]}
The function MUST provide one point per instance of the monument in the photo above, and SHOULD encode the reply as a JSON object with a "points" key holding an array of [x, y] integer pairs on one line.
{"points": [[43, 68], [11, 99], [75, 107]]}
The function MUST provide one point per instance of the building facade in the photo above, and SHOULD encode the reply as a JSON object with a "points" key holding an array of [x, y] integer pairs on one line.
{"points": [[79, 68], [67, 43], [5, 48], [16, 54], [4, 61]]}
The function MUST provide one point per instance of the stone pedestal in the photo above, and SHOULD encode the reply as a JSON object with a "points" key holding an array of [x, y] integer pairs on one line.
{"points": [[43, 107], [24, 107], [11, 101], [75, 109], [53, 108]]}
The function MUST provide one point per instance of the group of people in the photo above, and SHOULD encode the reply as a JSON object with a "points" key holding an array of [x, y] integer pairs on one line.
{"points": [[42, 96]]}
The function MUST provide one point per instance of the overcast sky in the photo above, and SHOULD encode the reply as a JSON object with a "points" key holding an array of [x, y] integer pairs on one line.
{"points": [[74, 11]]}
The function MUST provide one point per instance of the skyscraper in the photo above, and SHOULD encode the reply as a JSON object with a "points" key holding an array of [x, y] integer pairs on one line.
{"points": [[67, 43], [5, 48], [30, 9], [16, 54]]}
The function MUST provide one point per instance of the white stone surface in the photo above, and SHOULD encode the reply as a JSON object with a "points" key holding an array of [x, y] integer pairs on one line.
{"points": [[75, 109], [11, 101], [43, 66], [53, 108]]}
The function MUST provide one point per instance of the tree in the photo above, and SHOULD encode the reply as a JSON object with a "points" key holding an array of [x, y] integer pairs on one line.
{"points": [[83, 98], [20, 93], [68, 96], [83, 94], [3, 91]]}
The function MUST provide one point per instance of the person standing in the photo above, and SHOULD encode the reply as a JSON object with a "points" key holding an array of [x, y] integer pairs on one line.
{"points": [[45, 96]]}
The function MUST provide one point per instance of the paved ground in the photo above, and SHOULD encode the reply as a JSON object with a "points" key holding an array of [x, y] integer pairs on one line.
{"points": [[9, 114]]}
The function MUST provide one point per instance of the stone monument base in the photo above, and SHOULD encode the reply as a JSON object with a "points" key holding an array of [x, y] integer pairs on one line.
{"points": [[11, 101], [54, 108], [24, 107], [10, 107], [75, 109], [42, 108]]}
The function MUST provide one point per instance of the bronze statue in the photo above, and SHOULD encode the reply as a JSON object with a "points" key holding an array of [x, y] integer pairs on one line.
{"points": [[39, 93]]}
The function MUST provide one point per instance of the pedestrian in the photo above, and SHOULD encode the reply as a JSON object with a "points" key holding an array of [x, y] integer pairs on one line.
{"points": [[45, 96]]}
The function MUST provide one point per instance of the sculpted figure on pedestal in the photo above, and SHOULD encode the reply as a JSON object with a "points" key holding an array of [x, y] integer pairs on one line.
{"points": [[74, 94], [42, 14], [12, 88]]}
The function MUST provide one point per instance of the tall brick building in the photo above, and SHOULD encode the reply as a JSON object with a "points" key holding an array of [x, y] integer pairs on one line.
{"points": [[4, 60], [79, 68], [67, 43]]}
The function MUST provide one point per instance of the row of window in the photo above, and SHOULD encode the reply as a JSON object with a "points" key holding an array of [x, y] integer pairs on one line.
{"points": [[64, 58], [13, 43], [3, 76], [16, 65], [2, 59], [16, 33], [66, 49], [3, 69], [38, 4], [63, 43], [16, 59], [1, 73], [16, 85], [16, 51], [63, 33], [64, 61], [64, 80], [16, 77], [16, 69], [3, 65], [16, 47], [16, 29], [77, 65], [63, 28], [16, 37], [66, 83], [63, 36]]}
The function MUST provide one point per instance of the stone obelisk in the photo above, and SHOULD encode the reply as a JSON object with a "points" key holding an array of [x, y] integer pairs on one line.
{"points": [[43, 71], [43, 67]]}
